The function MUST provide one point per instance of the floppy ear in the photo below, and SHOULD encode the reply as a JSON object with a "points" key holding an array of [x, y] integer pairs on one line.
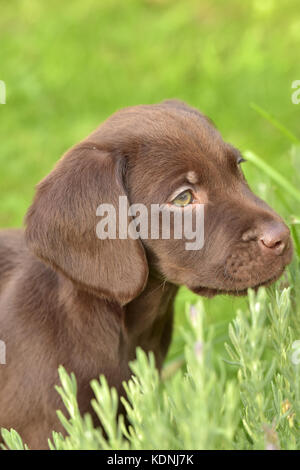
{"points": [[61, 225]]}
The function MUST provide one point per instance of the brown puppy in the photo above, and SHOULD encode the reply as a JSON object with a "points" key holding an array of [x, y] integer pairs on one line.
{"points": [[68, 297]]}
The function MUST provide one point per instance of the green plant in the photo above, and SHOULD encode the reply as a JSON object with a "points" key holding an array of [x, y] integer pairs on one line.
{"points": [[197, 407], [261, 347]]}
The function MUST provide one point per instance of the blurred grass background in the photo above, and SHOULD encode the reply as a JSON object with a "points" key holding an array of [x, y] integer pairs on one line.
{"points": [[68, 65]]}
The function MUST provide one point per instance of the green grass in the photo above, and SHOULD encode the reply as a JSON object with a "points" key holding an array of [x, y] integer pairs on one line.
{"points": [[68, 65]]}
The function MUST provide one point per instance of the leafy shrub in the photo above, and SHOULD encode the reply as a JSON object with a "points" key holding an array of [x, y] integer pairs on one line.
{"points": [[198, 407]]}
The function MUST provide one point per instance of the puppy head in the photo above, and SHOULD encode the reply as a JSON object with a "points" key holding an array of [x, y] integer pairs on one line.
{"points": [[186, 161], [172, 156]]}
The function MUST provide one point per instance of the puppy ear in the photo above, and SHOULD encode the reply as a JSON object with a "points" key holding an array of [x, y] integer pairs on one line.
{"points": [[61, 225]]}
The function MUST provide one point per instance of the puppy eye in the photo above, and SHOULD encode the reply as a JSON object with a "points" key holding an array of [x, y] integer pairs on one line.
{"points": [[240, 160], [183, 199]]}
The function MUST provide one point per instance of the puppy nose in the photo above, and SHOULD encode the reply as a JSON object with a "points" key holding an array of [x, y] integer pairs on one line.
{"points": [[275, 237]]}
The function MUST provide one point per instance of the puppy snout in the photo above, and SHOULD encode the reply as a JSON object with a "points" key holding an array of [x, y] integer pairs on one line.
{"points": [[275, 237]]}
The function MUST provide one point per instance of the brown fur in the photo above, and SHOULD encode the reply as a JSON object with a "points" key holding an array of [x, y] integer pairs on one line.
{"points": [[68, 298]]}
